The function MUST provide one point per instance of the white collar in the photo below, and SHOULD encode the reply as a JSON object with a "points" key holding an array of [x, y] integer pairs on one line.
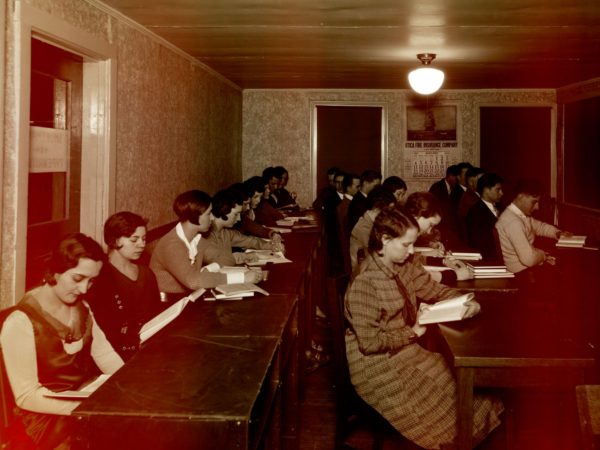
{"points": [[340, 195], [348, 196], [191, 246]]}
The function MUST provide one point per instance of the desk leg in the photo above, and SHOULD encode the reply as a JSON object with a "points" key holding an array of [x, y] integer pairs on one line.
{"points": [[464, 378]]}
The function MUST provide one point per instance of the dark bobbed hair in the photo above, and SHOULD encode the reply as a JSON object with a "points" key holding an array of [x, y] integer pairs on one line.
{"points": [[422, 204], [121, 224], [370, 175], [190, 205], [268, 173], [240, 192], [488, 180], [379, 198], [67, 253], [390, 222], [394, 183], [254, 184], [223, 202], [529, 187]]}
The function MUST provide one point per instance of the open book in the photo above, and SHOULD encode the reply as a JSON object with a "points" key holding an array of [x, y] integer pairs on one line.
{"points": [[164, 318], [445, 310], [84, 392], [571, 241]]}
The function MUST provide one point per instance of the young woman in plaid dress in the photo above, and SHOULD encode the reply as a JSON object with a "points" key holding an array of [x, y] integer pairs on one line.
{"points": [[411, 387]]}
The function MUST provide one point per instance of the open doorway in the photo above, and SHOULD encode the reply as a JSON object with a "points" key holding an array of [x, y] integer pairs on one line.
{"points": [[349, 136]]}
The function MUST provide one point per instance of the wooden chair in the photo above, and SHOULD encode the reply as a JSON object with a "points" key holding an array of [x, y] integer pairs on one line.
{"points": [[588, 406], [352, 412]]}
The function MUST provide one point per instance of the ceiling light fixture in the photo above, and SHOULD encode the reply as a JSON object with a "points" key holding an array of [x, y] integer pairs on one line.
{"points": [[426, 80]]}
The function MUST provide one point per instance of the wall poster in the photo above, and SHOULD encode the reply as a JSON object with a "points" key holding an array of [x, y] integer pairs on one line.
{"points": [[431, 140]]}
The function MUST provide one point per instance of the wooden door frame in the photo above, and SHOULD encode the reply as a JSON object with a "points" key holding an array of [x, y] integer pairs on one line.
{"points": [[98, 123], [553, 125], [313, 135]]}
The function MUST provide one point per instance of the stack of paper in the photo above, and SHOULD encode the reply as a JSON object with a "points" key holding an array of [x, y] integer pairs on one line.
{"points": [[237, 291], [571, 241], [490, 271], [466, 256]]}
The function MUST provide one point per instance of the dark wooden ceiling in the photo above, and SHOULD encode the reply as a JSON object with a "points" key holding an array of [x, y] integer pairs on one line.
{"points": [[373, 44]]}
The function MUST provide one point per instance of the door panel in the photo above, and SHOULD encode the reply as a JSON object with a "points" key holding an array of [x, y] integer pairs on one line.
{"points": [[54, 182]]}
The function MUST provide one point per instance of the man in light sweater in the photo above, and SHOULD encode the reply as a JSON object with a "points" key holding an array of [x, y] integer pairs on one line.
{"points": [[517, 230]]}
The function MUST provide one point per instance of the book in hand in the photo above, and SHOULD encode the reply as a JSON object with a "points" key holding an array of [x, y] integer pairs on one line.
{"points": [[446, 310], [237, 290], [84, 392], [571, 241], [164, 318]]}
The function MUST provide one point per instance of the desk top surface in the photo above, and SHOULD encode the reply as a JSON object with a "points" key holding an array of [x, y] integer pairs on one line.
{"points": [[507, 333]]}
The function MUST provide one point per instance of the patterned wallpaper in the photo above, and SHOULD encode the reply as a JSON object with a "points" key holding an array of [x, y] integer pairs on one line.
{"points": [[277, 127], [179, 126]]}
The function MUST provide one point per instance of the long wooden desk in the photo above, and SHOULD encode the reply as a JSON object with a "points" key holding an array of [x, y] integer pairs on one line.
{"points": [[224, 374], [509, 345]]}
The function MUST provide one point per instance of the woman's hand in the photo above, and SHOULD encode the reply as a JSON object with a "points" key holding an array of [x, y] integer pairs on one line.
{"points": [[277, 246], [276, 238], [460, 268], [438, 247], [473, 308], [420, 329], [253, 276], [250, 257]]}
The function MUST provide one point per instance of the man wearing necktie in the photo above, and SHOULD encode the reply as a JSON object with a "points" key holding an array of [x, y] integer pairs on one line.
{"points": [[482, 217]]}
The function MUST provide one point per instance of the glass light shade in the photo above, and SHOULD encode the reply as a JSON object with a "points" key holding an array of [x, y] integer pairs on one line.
{"points": [[426, 80]]}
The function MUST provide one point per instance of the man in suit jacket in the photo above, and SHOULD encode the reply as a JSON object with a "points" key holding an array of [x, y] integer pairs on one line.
{"points": [[350, 186], [358, 206], [482, 217], [443, 189]]}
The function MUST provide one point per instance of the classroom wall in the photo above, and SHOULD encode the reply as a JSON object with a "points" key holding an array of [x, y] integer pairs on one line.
{"points": [[178, 124], [277, 127]]}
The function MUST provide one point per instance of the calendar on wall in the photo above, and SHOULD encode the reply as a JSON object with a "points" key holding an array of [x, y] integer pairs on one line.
{"points": [[431, 141]]}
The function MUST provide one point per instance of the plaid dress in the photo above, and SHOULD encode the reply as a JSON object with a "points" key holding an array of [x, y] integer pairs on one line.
{"points": [[413, 388]]}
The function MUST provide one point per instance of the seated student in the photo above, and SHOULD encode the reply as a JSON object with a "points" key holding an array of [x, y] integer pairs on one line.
{"points": [[51, 342], [425, 209], [482, 217], [265, 213], [125, 295], [461, 185], [226, 210], [377, 199], [350, 187], [285, 198], [271, 178], [396, 186], [448, 193], [517, 230], [412, 388], [178, 258], [471, 196], [327, 191], [254, 188], [358, 206]]}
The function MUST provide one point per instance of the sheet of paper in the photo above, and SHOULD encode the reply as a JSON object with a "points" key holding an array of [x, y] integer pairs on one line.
{"points": [[84, 392]]}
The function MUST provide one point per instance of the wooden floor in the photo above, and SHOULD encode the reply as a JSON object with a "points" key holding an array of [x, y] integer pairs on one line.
{"points": [[541, 419]]}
